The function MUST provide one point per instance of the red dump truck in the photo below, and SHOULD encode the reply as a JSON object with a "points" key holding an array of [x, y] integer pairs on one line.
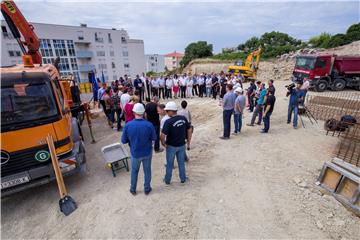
{"points": [[328, 71]]}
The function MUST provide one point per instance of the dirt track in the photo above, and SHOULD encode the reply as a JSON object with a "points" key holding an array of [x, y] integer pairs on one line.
{"points": [[252, 186]]}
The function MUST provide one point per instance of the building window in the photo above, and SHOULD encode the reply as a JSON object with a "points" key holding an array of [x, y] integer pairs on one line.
{"points": [[112, 65], [45, 43], [45, 48], [4, 31], [98, 38], [18, 53], [64, 65], [11, 54], [80, 35], [109, 38], [125, 53], [151, 58], [60, 48], [102, 66], [100, 53], [123, 40], [126, 65], [71, 47], [112, 53], [48, 60], [74, 65]]}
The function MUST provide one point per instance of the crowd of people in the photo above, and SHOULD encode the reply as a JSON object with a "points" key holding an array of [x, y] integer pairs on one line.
{"points": [[171, 127], [177, 86]]}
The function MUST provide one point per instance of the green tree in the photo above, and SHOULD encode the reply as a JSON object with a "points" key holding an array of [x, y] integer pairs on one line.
{"points": [[277, 43], [272, 43], [195, 50], [250, 45], [353, 33], [321, 41], [337, 40]]}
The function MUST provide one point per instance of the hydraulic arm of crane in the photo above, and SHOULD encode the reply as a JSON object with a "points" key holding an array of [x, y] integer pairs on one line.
{"points": [[250, 62], [18, 24]]}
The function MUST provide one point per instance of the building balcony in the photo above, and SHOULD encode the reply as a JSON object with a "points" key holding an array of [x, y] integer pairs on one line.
{"points": [[84, 54], [82, 41], [86, 67]]}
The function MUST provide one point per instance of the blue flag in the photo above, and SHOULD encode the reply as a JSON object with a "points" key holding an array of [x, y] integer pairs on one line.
{"points": [[102, 76], [94, 86]]}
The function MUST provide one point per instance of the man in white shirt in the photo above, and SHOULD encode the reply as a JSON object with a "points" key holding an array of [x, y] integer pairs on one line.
{"points": [[182, 83], [201, 82], [162, 87], [169, 85], [155, 86], [145, 86]]}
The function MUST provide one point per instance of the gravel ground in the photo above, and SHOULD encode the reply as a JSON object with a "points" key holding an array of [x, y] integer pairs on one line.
{"points": [[251, 186]]}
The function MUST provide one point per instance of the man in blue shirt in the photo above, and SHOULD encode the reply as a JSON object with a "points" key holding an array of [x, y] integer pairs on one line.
{"points": [[139, 134], [296, 96], [228, 109], [259, 107]]}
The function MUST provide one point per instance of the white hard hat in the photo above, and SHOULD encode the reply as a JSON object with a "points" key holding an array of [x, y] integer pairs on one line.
{"points": [[170, 106], [138, 108], [239, 90]]}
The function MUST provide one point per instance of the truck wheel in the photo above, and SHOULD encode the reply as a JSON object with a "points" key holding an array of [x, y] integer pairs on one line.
{"points": [[339, 84], [321, 86]]}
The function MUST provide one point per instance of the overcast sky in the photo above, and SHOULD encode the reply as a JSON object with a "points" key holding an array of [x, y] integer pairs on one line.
{"points": [[169, 26]]}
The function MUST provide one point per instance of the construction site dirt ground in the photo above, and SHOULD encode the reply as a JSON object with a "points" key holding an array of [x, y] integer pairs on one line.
{"points": [[251, 186]]}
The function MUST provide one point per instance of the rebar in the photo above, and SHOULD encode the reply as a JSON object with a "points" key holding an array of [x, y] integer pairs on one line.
{"points": [[334, 105]]}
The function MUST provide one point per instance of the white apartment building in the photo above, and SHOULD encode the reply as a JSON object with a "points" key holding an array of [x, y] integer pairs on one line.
{"points": [[81, 50], [155, 63]]}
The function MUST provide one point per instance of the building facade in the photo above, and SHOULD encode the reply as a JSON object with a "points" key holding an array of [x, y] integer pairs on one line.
{"points": [[155, 63], [81, 50], [172, 60]]}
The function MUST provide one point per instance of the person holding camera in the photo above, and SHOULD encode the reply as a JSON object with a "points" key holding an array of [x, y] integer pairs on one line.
{"points": [[296, 97]]}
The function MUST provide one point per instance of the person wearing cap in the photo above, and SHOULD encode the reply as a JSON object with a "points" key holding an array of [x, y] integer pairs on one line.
{"points": [[268, 109], [152, 115], [239, 109], [139, 134], [175, 134]]}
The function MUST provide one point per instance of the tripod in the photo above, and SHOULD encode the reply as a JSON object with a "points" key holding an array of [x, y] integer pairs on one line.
{"points": [[308, 113]]}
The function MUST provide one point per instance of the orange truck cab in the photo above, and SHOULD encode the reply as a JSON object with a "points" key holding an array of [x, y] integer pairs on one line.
{"points": [[34, 104]]}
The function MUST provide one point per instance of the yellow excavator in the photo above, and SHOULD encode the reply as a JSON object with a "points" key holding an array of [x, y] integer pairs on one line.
{"points": [[248, 68]]}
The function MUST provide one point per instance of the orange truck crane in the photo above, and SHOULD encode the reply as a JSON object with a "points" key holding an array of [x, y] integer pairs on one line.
{"points": [[35, 102]]}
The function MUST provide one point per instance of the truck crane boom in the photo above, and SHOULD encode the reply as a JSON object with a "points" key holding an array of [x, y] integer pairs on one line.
{"points": [[18, 24]]}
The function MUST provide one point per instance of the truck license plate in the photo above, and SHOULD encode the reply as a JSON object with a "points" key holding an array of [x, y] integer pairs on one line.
{"points": [[14, 182]]}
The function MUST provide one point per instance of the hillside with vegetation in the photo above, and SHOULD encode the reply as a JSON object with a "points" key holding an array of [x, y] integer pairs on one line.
{"points": [[273, 44]]}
